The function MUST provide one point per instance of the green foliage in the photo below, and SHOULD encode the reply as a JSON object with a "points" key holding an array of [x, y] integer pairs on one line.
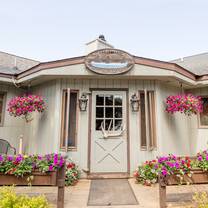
{"points": [[201, 199], [147, 174], [9, 199], [21, 165], [72, 174], [202, 160]]}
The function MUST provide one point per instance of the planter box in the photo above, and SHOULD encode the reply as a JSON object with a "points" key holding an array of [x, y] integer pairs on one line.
{"points": [[198, 177], [55, 178], [43, 179]]}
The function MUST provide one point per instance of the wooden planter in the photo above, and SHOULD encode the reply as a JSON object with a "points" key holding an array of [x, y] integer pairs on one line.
{"points": [[55, 178], [198, 177], [43, 179]]}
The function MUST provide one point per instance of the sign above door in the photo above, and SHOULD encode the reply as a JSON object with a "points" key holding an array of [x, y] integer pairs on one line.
{"points": [[109, 61]]}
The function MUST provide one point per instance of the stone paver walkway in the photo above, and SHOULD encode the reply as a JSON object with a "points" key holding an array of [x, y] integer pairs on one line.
{"points": [[148, 197]]}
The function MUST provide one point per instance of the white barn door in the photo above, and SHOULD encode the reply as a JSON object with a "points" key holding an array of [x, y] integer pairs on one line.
{"points": [[108, 133]]}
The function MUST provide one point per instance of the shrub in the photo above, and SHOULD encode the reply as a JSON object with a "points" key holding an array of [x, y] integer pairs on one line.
{"points": [[9, 199], [72, 174], [201, 199], [147, 173], [202, 160]]}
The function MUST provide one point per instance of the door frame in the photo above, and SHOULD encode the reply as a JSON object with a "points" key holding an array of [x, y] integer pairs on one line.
{"points": [[90, 126]]}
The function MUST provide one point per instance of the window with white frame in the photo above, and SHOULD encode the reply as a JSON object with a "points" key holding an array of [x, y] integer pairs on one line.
{"points": [[69, 119]]}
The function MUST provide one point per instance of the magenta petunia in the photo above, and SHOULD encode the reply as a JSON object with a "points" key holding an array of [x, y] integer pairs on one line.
{"points": [[187, 104]]}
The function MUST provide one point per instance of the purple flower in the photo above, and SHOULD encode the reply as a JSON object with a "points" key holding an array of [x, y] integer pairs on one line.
{"points": [[55, 160], [207, 157], [173, 157], [200, 158], [61, 162], [1, 158], [34, 166], [162, 159], [182, 162], [171, 165], [19, 158], [10, 158], [39, 157], [177, 165], [48, 157], [164, 172], [50, 167]]}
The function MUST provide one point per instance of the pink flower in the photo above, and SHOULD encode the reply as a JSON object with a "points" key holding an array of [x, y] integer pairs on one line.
{"points": [[50, 167], [187, 104], [21, 106]]}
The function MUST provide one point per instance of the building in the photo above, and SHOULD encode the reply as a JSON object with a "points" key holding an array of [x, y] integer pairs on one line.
{"points": [[110, 135]]}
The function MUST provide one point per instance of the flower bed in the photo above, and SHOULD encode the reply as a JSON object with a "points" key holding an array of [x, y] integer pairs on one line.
{"points": [[147, 174], [72, 174], [21, 165], [172, 170], [36, 167], [187, 104], [180, 167]]}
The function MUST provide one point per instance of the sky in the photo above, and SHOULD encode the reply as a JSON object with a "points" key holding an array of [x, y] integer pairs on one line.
{"points": [[47, 30]]}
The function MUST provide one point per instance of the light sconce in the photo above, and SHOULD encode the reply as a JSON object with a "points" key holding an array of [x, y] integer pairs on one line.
{"points": [[135, 102], [83, 100]]}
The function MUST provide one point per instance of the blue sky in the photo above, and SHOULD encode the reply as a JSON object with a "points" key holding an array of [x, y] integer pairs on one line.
{"points": [[51, 29]]}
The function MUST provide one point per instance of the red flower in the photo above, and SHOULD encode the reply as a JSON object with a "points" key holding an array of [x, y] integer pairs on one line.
{"points": [[71, 165], [136, 174]]}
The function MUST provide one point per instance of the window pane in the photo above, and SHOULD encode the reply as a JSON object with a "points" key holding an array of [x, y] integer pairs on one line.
{"points": [[109, 124], [98, 124], [118, 124], [99, 112], [118, 100], [151, 117], [65, 97], [109, 112], [72, 119], [99, 99], [118, 112], [109, 100], [204, 114], [143, 120]]}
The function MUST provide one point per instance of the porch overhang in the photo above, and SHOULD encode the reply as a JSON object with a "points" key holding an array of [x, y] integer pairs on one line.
{"points": [[144, 68]]}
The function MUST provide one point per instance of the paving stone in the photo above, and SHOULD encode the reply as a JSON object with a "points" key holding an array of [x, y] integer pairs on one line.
{"points": [[148, 197]]}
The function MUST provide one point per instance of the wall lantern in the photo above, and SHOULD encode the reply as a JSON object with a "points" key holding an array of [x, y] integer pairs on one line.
{"points": [[83, 100], [135, 102]]}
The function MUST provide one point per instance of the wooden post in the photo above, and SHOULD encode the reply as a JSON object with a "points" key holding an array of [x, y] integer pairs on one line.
{"points": [[61, 185], [162, 193], [20, 144]]}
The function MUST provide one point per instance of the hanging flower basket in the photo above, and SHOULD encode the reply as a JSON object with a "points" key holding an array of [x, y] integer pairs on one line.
{"points": [[23, 106], [187, 104]]}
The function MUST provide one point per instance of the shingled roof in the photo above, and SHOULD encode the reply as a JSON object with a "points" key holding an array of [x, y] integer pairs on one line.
{"points": [[12, 64], [197, 64]]}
